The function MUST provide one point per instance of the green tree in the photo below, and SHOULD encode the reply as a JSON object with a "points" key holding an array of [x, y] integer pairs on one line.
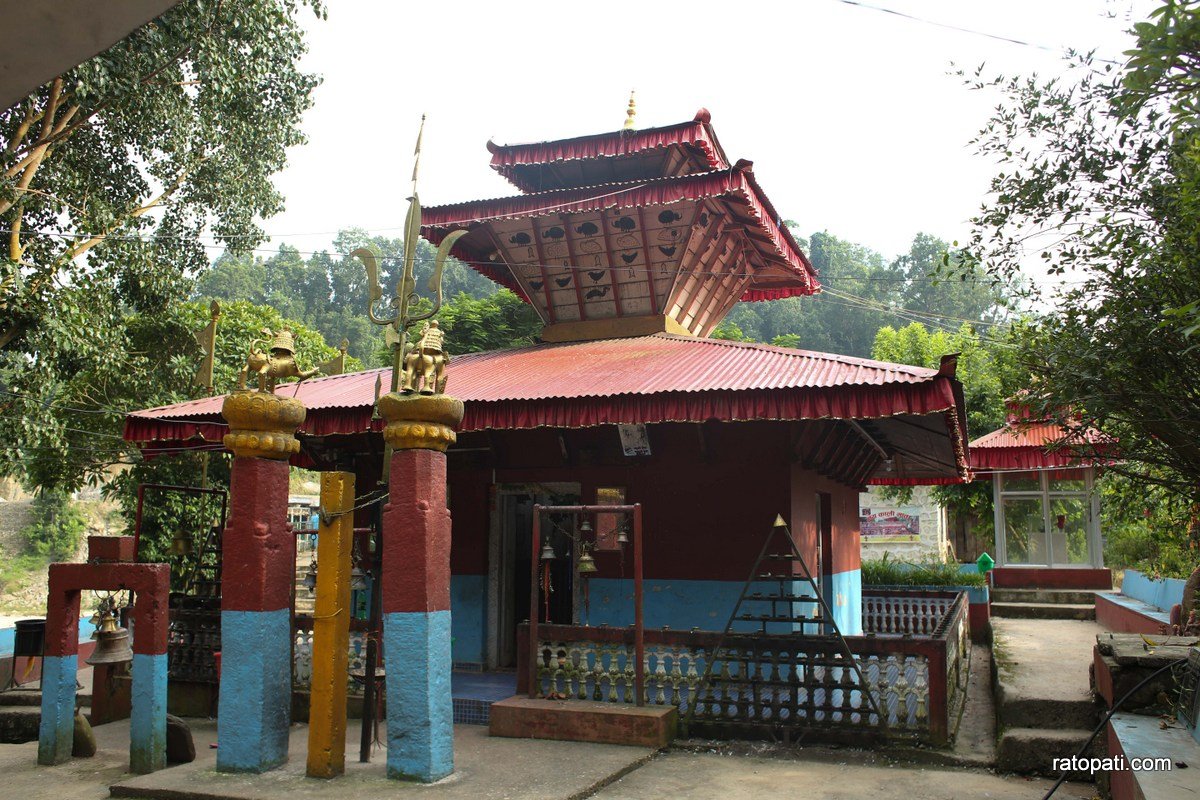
{"points": [[108, 177], [991, 371], [1098, 171]]}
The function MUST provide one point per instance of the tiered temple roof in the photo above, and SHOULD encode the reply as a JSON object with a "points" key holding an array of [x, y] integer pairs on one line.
{"points": [[629, 233]]}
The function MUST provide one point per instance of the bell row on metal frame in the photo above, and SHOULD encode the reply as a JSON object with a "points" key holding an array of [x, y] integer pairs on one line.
{"points": [[358, 578], [587, 564]]}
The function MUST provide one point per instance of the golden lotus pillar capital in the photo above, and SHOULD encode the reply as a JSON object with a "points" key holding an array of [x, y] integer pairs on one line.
{"points": [[420, 421], [262, 424]]}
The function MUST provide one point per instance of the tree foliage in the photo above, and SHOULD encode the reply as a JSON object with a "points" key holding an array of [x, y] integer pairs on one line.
{"points": [[1098, 177], [108, 178], [991, 370], [866, 292]]}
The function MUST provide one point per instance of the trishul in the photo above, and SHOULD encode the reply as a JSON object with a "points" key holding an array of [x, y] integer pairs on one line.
{"points": [[402, 306]]}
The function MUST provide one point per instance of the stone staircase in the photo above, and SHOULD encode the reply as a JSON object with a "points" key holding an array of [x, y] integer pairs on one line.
{"points": [[1044, 704], [21, 713], [1077, 604]]}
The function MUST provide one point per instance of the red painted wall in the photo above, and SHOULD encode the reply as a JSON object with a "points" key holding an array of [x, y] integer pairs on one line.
{"points": [[709, 499]]}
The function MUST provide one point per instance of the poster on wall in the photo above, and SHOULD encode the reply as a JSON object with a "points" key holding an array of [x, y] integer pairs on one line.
{"points": [[890, 524]]}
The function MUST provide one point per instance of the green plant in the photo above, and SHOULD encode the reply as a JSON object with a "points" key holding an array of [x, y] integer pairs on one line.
{"points": [[57, 526], [888, 572]]}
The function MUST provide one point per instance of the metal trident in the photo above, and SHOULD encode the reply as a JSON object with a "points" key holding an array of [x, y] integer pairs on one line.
{"points": [[401, 307]]}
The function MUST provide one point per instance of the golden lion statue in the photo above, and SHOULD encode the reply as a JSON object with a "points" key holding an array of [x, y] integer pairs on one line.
{"points": [[279, 362]]}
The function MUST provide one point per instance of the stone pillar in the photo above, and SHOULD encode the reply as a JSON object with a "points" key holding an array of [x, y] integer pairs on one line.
{"points": [[60, 662], [416, 586], [331, 629], [258, 567]]}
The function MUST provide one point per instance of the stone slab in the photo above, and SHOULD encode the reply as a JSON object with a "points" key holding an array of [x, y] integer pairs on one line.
{"points": [[1082, 611], [1136, 736], [583, 721]]}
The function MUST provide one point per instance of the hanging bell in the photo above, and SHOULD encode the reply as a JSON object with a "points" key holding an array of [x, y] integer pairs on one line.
{"points": [[586, 525], [112, 644], [95, 621], [310, 577], [587, 564], [548, 553], [622, 535], [358, 579], [181, 545]]}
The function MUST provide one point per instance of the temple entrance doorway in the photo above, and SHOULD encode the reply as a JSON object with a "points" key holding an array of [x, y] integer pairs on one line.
{"points": [[510, 575]]}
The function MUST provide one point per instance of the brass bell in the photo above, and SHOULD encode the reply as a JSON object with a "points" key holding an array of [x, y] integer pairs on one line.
{"points": [[548, 553], [358, 579], [181, 545], [622, 535], [95, 621], [587, 564], [112, 644], [585, 526]]}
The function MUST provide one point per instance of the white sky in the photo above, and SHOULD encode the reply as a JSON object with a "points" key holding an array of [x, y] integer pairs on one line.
{"points": [[850, 115]]}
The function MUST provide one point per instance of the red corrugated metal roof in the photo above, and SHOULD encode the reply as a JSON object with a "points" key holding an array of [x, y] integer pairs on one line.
{"points": [[643, 365], [1035, 444], [645, 379]]}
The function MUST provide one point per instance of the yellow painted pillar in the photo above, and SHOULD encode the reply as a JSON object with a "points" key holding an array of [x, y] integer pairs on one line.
{"points": [[331, 629]]}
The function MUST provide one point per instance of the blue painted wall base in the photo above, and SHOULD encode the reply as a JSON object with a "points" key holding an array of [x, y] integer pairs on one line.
{"points": [[255, 709], [148, 716], [420, 713], [57, 728]]}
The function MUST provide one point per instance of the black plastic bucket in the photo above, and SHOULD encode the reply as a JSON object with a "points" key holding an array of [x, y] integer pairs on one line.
{"points": [[30, 637]]}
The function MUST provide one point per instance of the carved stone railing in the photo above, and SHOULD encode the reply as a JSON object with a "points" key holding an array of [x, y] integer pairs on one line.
{"points": [[302, 637], [778, 685], [899, 612]]}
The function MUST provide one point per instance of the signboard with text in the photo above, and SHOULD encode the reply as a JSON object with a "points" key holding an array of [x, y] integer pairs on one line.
{"points": [[890, 525]]}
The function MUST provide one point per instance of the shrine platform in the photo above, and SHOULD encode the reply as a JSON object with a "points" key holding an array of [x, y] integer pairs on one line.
{"points": [[474, 692]]}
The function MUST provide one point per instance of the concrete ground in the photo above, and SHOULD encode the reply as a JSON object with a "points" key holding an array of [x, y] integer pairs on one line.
{"points": [[520, 768], [828, 775], [486, 769]]}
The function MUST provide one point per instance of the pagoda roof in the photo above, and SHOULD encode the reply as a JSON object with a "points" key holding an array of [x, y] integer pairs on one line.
{"points": [[687, 247], [629, 231], [646, 379], [624, 155]]}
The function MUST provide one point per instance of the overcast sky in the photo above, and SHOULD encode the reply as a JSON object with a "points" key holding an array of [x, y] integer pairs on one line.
{"points": [[849, 113]]}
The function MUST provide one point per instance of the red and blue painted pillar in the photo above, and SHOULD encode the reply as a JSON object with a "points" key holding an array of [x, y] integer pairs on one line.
{"points": [[258, 567], [416, 586], [150, 584]]}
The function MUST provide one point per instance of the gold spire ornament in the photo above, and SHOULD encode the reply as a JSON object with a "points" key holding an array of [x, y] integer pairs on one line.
{"points": [[337, 364], [396, 314], [207, 339], [631, 113], [420, 416]]}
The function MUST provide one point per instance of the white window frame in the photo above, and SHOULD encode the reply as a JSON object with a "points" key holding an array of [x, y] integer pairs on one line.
{"points": [[1046, 494]]}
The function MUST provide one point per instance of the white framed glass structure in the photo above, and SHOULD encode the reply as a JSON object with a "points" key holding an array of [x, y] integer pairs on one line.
{"points": [[1048, 518]]}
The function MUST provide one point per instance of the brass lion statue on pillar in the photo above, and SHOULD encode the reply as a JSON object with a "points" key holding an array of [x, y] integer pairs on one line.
{"points": [[425, 362], [279, 362]]}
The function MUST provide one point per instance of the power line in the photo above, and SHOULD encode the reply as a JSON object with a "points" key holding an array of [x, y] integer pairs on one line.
{"points": [[973, 31]]}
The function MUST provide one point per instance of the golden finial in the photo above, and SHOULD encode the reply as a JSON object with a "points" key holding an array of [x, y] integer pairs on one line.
{"points": [[630, 112]]}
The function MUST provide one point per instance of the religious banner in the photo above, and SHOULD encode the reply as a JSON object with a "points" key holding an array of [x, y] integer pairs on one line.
{"points": [[890, 524]]}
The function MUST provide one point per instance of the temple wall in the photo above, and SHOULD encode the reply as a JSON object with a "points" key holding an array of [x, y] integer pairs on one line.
{"points": [[709, 493]]}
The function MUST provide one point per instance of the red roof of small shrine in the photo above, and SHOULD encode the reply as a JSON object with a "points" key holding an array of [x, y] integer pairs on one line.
{"points": [[648, 379], [650, 223], [1027, 442]]}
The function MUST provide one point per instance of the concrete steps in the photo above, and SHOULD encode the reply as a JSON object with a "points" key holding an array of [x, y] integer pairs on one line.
{"points": [[21, 714], [1044, 604], [1044, 704], [1033, 750], [1071, 596], [1078, 611]]}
